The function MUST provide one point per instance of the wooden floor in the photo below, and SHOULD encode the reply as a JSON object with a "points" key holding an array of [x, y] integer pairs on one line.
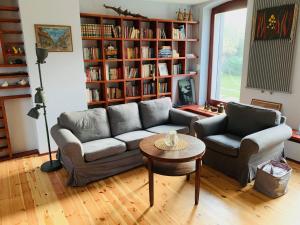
{"points": [[28, 196]]}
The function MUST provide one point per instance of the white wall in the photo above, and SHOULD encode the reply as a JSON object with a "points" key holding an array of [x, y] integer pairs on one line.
{"points": [[145, 8], [291, 108], [63, 74]]}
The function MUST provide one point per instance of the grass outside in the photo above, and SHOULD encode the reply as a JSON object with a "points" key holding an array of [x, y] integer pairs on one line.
{"points": [[230, 87]]}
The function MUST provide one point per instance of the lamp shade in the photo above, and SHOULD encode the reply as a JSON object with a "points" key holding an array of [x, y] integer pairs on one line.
{"points": [[34, 112], [39, 96], [41, 54]]}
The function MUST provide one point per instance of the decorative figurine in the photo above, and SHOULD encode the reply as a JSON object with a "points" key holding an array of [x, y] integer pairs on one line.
{"points": [[190, 15], [4, 84], [185, 15], [22, 82], [125, 12], [179, 15]]}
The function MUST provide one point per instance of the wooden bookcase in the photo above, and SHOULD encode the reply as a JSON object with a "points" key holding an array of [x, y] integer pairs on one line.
{"points": [[159, 85], [10, 70]]}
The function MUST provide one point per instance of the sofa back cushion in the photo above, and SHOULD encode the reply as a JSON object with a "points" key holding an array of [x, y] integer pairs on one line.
{"points": [[124, 118], [88, 125], [246, 119], [155, 112]]}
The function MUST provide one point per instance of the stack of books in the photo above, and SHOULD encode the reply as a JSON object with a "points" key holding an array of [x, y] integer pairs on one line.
{"points": [[114, 93], [93, 73], [131, 32], [100, 31], [91, 53], [132, 53], [113, 73], [149, 88], [165, 52], [131, 72], [93, 95], [179, 33], [147, 33], [161, 33], [132, 89], [163, 87], [147, 52], [148, 70], [177, 69]]}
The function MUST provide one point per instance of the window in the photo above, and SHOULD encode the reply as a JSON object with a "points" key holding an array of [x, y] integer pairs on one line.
{"points": [[227, 36]]}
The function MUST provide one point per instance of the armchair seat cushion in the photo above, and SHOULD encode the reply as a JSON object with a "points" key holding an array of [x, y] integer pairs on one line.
{"points": [[102, 148], [226, 144], [163, 129], [132, 139]]}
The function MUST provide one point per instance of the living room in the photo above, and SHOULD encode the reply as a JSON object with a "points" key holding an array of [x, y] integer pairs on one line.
{"points": [[149, 112]]}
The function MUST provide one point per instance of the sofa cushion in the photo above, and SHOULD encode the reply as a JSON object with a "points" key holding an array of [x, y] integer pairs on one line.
{"points": [[102, 148], [86, 125], [226, 144], [166, 128], [246, 119], [124, 118], [155, 112], [132, 139]]}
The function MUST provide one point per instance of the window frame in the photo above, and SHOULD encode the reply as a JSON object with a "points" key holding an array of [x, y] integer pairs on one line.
{"points": [[225, 7]]}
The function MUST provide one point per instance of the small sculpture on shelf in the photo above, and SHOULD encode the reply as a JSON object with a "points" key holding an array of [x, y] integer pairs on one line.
{"points": [[14, 50], [111, 52], [184, 15], [22, 82], [4, 84], [125, 12]]}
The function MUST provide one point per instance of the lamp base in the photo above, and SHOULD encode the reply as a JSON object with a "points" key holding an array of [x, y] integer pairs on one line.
{"points": [[50, 167]]}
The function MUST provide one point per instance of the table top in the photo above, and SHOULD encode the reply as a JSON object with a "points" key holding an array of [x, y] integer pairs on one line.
{"points": [[195, 149]]}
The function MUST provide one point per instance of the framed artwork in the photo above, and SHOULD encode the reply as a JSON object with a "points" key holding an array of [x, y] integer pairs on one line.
{"points": [[55, 38], [276, 23], [266, 104], [187, 91], [163, 69]]}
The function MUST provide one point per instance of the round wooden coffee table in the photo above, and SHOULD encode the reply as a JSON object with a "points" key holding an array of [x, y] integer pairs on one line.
{"points": [[173, 163]]}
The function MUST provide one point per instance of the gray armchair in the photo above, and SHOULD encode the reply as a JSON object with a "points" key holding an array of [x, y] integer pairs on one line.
{"points": [[242, 139]]}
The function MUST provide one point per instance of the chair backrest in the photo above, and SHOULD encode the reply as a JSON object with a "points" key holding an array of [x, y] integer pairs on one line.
{"points": [[247, 119]]}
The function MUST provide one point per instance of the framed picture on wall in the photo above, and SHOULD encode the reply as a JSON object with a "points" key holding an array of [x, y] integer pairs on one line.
{"points": [[55, 38]]}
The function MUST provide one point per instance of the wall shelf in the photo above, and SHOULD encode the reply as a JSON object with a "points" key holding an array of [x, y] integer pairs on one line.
{"points": [[9, 8], [10, 20], [14, 87], [134, 87], [12, 75]]}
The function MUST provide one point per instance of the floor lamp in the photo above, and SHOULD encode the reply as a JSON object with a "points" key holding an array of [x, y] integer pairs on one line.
{"points": [[39, 100]]}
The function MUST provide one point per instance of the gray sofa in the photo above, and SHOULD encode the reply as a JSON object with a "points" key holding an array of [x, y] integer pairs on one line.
{"points": [[99, 143], [236, 143]]}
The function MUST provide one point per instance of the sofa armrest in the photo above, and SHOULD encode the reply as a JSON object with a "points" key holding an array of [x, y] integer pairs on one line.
{"points": [[210, 126], [68, 144], [184, 118], [265, 139]]}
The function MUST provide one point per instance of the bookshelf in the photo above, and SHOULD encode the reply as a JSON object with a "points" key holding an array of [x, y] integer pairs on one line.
{"points": [[129, 54], [12, 68]]}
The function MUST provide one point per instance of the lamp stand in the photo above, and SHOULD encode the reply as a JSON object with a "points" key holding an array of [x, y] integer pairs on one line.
{"points": [[51, 165]]}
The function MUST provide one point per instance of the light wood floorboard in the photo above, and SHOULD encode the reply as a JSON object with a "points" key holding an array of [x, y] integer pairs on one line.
{"points": [[29, 196]]}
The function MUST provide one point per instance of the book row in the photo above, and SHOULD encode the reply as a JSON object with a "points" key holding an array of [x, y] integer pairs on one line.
{"points": [[91, 53], [100, 31], [132, 89]]}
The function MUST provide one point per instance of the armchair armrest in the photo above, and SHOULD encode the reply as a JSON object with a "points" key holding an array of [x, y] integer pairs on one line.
{"points": [[210, 126], [184, 118], [68, 144], [266, 138]]}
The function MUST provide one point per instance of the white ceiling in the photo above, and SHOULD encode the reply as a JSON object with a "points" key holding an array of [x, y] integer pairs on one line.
{"points": [[188, 2]]}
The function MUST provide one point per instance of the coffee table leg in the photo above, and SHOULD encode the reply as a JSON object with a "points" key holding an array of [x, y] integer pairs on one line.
{"points": [[197, 181], [151, 185]]}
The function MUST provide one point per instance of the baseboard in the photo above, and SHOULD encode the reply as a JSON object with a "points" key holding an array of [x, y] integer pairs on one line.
{"points": [[20, 155], [293, 160]]}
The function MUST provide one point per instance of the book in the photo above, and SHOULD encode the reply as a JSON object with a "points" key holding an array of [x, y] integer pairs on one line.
{"points": [[93, 73], [148, 70], [147, 52], [91, 53], [113, 73], [131, 72], [163, 69]]}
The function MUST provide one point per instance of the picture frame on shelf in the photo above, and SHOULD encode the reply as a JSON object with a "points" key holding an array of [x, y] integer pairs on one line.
{"points": [[163, 69], [186, 89], [55, 38]]}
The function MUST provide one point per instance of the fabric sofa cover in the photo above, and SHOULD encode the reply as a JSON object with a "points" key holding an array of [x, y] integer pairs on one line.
{"points": [[230, 151], [124, 118], [155, 112], [246, 119], [165, 128], [132, 139], [86, 125], [102, 148]]}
